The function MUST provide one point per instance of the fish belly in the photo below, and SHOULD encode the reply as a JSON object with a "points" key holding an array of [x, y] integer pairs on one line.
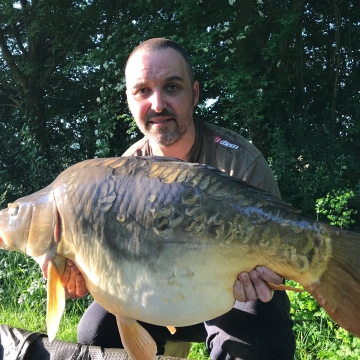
{"points": [[185, 286]]}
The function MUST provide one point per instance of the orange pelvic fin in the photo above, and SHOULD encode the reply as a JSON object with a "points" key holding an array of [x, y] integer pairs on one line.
{"points": [[136, 340], [172, 329]]}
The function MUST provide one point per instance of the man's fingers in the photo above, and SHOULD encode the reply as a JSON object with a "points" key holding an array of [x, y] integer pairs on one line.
{"points": [[248, 286], [71, 285], [73, 281], [260, 287], [239, 291], [65, 277], [81, 289], [268, 275], [252, 286]]}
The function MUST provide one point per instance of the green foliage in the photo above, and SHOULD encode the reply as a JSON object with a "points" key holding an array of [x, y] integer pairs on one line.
{"points": [[21, 277], [198, 352], [317, 336], [282, 73], [2, 198], [23, 298], [335, 205], [23, 287]]}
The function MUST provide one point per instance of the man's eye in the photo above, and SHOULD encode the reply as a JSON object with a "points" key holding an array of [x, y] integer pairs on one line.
{"points": [[143, 91], [172, 87]]}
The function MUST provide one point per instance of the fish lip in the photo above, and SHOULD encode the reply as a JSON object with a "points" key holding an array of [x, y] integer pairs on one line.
{"points": [[3, 244], [44, 269], [43, 261]]}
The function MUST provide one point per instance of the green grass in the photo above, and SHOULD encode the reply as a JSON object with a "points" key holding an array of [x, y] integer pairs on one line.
{"points": [[23, 305], [23, 298], [198, 352], [36, 322], [317, 336]]}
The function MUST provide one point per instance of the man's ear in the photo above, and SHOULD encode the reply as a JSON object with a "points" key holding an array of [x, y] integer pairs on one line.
{"points": [[196, 92]]}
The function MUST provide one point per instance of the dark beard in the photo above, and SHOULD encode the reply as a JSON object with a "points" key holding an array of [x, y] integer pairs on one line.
{"points": [[166, 138]]}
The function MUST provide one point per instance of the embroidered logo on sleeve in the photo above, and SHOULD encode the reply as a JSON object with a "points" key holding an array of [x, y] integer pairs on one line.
{"points": [[220, 141]]}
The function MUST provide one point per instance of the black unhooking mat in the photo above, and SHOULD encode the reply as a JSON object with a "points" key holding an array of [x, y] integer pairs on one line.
{"points": [[19, 344]]}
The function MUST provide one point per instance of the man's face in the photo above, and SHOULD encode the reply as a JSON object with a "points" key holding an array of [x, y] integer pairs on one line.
{"points": [[160, 95]]}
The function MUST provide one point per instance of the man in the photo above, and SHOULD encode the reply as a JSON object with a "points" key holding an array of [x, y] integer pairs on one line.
{"points": [[162, 94]]}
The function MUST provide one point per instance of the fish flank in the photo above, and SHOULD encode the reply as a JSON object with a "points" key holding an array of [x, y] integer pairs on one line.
{"points": [[162, 227]]}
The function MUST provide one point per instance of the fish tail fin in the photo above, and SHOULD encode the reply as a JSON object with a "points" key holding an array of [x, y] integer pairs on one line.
{"points": [[338, 289], [55, 301]]}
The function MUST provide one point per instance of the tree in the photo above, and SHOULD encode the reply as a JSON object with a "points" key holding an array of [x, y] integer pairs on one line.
{"points": [[282, 73], [48, 78]]}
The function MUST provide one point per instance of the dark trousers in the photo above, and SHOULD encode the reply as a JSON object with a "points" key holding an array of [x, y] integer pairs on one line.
{"points": [[249, 331]]}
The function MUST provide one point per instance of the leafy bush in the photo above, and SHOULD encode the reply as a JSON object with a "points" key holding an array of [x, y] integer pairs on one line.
{"points": [[336, 206], [317, 336]]}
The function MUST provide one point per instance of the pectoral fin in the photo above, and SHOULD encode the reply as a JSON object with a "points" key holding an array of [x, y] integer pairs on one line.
{"points": [[136, 340], [55, 301]]}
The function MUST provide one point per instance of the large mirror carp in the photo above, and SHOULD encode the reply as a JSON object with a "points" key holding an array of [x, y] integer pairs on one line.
{"points": [[162, 241]]}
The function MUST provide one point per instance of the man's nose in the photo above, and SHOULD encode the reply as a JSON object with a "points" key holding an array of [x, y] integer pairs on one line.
{"points": [[157, 101]]}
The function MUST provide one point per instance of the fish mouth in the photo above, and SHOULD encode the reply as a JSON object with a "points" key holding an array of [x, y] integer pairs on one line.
{"points": [[44, 269], [43, 261], [3, 243]]}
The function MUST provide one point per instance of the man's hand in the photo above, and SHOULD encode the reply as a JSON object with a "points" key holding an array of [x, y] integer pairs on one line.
{"points": [[252, 286], [73, 281]]}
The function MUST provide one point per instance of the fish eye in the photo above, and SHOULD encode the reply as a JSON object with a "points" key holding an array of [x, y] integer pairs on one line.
{"points": [[13, 209]]}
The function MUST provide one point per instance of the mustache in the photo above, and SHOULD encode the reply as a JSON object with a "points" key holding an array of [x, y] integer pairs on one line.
{"points": [[153, 114]]}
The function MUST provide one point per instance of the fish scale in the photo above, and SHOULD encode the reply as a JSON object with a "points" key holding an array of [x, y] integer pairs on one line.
{"points": [[162, 241]]}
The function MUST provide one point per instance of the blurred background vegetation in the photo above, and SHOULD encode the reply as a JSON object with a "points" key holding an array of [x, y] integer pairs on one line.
{"points": [[285, 74]]}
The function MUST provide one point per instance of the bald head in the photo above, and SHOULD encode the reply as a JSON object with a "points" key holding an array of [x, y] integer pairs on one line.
{"points": [[160, 44]]}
